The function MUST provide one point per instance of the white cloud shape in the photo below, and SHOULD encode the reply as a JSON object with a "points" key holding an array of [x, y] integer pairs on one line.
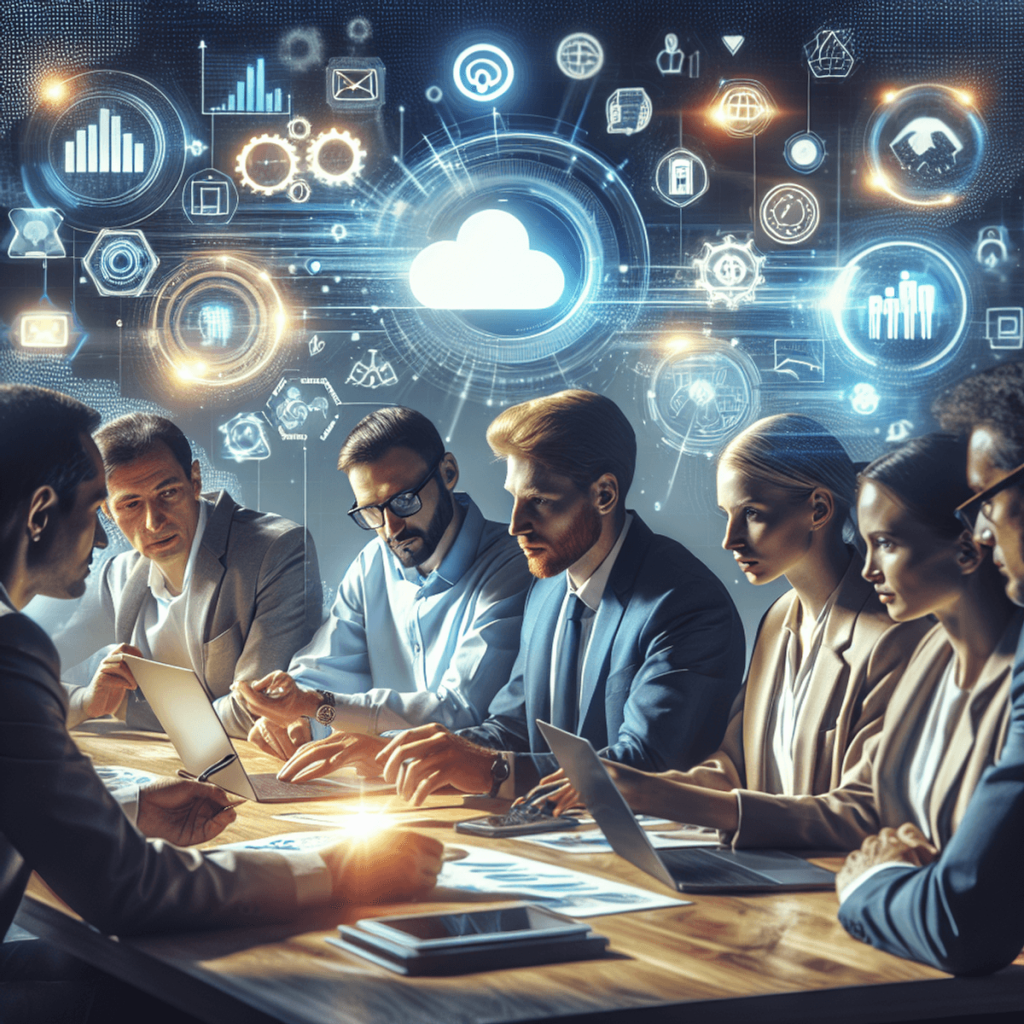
{"points": [[490, 265]]}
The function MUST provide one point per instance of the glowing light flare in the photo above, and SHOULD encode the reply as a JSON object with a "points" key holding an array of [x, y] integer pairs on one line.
{"points": [[366, 823], [53, 90]]}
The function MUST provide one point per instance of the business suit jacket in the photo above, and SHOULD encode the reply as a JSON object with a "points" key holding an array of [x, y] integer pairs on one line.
{"points": [[868, 797], [859, 662], [663, 664], [253, 600], [57, 818], [964, 913]]}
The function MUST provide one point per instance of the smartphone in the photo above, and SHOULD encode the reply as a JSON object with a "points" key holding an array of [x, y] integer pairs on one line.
{"points": [[497, 826]]}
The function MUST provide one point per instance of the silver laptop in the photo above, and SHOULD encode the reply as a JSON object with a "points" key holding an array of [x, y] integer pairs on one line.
{"points": [[182, 705], [687, 870]]}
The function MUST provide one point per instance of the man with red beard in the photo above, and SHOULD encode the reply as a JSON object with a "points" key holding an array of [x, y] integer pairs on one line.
{"points": [[627, 639]]}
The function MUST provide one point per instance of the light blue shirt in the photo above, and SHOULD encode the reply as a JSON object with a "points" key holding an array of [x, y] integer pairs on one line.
{"points": [[404, 649]]}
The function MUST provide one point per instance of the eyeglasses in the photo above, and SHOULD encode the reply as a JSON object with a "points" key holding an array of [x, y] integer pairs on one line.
{"points": [[967, 513], [402, 505]]}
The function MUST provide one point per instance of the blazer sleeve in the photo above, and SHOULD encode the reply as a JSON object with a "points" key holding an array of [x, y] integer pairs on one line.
{"points": [[57, 814], [288, 609], [964, 913], [841, 818]]}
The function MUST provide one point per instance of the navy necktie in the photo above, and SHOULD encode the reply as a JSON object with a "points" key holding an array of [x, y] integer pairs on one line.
{"points": [[565, 705]]}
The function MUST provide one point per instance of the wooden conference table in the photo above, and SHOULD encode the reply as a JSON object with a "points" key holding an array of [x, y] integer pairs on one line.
{"points": [[771, 958]]}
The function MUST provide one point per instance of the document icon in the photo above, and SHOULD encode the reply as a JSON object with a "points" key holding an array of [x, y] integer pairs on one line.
{"points": [[355, 83]]}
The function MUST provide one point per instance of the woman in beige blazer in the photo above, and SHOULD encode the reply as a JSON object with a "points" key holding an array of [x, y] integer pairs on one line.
{"points": [[946, 718], [826, 657]]}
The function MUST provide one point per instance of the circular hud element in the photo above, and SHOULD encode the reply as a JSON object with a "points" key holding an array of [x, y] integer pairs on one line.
{"points": [[108, 151], [926, 144], [528, 254], [901, 306], [702, 394], [215, 326]]}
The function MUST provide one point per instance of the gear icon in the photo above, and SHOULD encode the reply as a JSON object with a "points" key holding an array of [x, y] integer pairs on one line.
{"points": [[267, 164], [729, 271], [335, 158]]}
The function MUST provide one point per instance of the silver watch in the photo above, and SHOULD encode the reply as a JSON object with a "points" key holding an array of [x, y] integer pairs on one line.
{"points": [[325, 713]]}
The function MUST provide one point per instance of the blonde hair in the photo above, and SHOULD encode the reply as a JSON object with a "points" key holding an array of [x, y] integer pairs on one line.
{"points": [[797, 454], [577, 434]]}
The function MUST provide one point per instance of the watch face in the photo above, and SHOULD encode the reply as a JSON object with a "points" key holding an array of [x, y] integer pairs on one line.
{"points": [[790, 214], [325, 714]]}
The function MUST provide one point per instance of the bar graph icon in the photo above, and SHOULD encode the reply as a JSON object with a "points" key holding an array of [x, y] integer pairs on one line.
{"points": [[252, 94], [104, 148]]}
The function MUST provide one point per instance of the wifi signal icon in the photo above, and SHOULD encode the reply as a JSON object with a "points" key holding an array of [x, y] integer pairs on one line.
{"points": [[483, 72]]}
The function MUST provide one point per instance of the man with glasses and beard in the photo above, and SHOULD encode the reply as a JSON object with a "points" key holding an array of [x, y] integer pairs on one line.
{"points": [[963, 911], [627, 639], [425, 626]]}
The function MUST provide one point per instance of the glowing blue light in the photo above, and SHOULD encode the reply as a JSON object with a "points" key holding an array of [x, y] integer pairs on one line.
{"points": [[864, 399], [483, 72], [215, 322], [490, 265]]}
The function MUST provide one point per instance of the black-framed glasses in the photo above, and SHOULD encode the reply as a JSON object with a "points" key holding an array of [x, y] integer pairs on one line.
{"points": [[967, 513], [402, 505]]}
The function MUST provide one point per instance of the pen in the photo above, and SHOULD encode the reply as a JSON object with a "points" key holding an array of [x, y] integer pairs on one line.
{"points": [[216, 767]]}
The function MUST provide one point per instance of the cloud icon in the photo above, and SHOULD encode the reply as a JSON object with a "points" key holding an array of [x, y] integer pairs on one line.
{"points": [[490, 265]]}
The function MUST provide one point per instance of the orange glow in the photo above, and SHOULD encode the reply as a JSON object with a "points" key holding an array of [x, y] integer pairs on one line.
{"points": [[54, 90]]}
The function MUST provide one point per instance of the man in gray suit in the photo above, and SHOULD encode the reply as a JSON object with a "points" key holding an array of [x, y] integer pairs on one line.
{"points": [[210, 586]]}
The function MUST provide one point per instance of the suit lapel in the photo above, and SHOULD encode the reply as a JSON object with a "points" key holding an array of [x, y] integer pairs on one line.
{"points": [[546, 602], [207, 574], [830, 677], [596, 669], [129, 607]]}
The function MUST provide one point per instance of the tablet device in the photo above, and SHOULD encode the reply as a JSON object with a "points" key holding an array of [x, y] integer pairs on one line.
{"points": [[498, 826]]}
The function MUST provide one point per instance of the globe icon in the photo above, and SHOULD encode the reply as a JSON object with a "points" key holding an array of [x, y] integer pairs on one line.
{"points": [[580, 56], [745, 109]]}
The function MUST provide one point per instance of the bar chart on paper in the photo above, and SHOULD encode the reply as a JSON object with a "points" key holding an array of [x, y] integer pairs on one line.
{"points": [[104, 148], [245, 92]]}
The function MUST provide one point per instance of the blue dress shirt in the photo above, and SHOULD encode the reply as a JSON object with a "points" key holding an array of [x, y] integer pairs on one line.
{"points": [[402, 649]]}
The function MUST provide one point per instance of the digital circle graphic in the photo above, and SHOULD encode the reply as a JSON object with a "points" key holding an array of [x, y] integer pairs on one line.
{"points": [[790, 214], [743, 107], [681, 177], [267, 164], [216, 324], [483, 72], [109, 150], [703, 394], [526, 207], [579, 56], [901, 306], [926, 144], [804, 152]]}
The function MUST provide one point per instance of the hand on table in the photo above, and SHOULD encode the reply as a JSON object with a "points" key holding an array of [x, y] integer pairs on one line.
{"points": [[385, 867], [277, 741], [113, 679], [277, 697], [339, 750], [421, 760], [184, 812], [904, 845], [561, 797]]}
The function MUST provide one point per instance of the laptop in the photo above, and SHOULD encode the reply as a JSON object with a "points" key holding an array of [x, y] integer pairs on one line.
{"points": [[694, 869], [181, 703]]}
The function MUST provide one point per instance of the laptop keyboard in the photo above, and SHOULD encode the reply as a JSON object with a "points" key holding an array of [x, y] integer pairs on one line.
{"points": [[704, 868]]}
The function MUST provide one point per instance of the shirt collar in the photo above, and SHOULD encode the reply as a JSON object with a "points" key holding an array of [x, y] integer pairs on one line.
{"points": [[460, 556], [591, 590], [157, 583]]}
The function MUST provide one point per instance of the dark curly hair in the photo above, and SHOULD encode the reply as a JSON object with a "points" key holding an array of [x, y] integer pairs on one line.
{"points": [[993, 399]]}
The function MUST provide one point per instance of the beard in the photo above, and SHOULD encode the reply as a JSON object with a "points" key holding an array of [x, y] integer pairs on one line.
{"points": [[431, 536], [583, 533]]}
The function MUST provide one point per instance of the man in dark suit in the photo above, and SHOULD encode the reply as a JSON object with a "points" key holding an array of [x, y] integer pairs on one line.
{"points": [[56, 816], [963, 911], [627, 638]]}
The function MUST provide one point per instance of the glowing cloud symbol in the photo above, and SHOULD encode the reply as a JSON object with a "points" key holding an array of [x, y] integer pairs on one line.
{"points": [[490, 265]]}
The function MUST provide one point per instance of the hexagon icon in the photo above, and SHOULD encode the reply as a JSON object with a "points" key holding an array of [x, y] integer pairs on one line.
{"points": [[120, 262]]}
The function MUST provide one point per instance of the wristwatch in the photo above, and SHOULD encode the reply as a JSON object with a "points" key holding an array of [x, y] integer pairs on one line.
{"points": [[500, 771], [325, 713]]}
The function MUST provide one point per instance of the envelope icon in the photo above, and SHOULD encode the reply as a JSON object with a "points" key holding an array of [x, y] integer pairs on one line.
{"points": [[356, 85]]}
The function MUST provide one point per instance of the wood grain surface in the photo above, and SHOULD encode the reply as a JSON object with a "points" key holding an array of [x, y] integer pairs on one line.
{"points": [[761, 958]]}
